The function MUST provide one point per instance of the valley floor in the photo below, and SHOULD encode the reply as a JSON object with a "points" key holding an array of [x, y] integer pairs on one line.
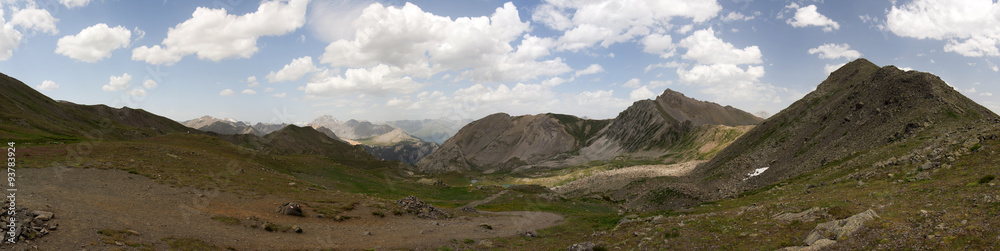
{"points": [[91, 203]]}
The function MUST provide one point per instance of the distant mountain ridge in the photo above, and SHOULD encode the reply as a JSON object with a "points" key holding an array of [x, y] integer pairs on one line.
{"points": [[27, 114], [500, 142]]}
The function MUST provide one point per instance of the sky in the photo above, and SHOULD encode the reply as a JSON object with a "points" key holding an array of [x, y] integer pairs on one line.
{"points": [[287, 61]]}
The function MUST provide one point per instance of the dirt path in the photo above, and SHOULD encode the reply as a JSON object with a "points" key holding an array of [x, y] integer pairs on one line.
{"points": [[619, 178], [88, 200], [475, 204]]}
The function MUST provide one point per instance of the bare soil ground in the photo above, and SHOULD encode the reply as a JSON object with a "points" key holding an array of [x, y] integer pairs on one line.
{"points": [[87, 200], [619, 178]]}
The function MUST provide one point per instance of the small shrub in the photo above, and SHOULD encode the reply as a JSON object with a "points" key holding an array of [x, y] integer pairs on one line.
{"points": [[468, 241], [975, 147], [396, 212], [673, 233], [378, 213], [986, 179]]}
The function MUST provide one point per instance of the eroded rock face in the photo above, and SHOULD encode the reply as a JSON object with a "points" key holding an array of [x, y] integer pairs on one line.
{"points": [[288, 208]]}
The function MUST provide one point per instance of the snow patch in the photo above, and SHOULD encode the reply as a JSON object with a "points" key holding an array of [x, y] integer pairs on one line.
{"points": [[756, 172]]}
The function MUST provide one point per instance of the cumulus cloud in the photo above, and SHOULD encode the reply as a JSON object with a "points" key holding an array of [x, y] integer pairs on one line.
{"points": [[641, 93], [10, 38], [279, 95], [377, 81], [213, 34], [808, 16], [136, 92], [117, 83], [422, 44], [971, 28], [632, 83], [834, 51], [149, 84], [736, 16], [227, 92], [705, 48], [519, 94], [293, 71], [249, 92], [32, 18], [659, 44], [606, 22], [730, 82], [592, 69], [94, 43], [74, 3], [47, 85]]}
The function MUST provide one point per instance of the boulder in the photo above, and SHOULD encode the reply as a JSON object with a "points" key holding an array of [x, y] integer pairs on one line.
{"points": [[289, 208], [43, 215], [840, 229], [583, 246], [805, 216]]}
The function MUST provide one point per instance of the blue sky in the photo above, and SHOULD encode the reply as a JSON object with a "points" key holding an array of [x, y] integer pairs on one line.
{"points": [[292, 61]]}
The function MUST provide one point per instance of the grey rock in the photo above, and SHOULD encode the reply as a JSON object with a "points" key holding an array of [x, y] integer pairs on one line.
{"points": [[43, 215], [805, 216], [583, 246], [839, 229], [289, 208], [297, 229]]}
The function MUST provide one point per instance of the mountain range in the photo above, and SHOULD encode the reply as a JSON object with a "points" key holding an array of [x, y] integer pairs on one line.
{"points": [[647, 130]]}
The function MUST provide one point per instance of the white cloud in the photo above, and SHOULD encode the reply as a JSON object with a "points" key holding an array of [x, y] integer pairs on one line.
{"points": [[808, 16], [249, 92], [684, 29], [117, 83], [519, 94], [227, 92], [641, 93], [213, 34], [149, 84], [279, 95], [832, 67], [592, 69], [377, 81], [986, 94], [606, 22], [730, 82], [94, 43], [632, 83], [47, 85], [659, 44], [736, 16], [293, 71], [32, 18], [269, 89], [554, 81], [10, 38], [971, 28], [327, 18], [422, 44], [705, 48], [834, 51], [252, 81], [74, 3], [136, 92]]}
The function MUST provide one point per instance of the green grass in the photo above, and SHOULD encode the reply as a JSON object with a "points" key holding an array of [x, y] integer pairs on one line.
{"points": [[227, 220]]}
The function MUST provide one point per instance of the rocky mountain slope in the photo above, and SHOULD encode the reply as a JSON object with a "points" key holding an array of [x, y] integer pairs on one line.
{"points": [[398, 145], [231, 126], [646, 129], [351, 129], [27, 114], [859, 107], [857, 110]]}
